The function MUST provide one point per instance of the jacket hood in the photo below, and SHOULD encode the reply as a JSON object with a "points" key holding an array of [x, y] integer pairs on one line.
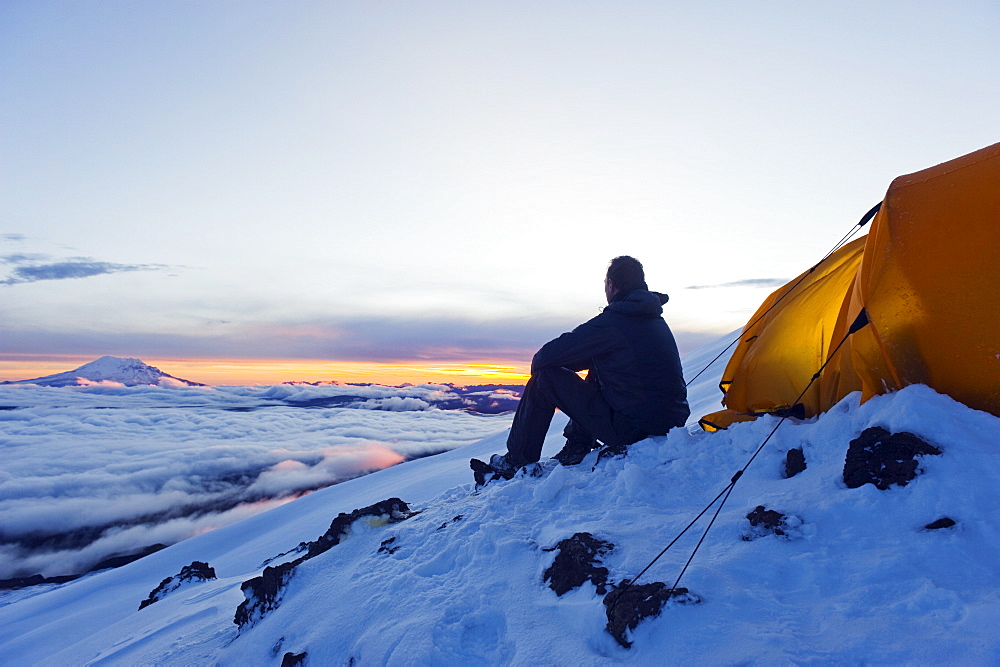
{"points": [[639, 301]]}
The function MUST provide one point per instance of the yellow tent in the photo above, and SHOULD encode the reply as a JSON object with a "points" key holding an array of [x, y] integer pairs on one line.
{"points": [[928, 277]]}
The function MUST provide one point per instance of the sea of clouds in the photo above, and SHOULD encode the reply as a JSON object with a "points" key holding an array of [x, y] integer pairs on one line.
{"points": [[102, 470]]}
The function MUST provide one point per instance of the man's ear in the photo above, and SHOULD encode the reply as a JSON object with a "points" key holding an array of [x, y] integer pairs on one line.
{"points": [[609, 289]]}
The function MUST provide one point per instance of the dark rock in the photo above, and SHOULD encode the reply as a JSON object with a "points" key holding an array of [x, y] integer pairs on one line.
{"points": [[302, 546], [386, 548], [196, 571], [393, 509], [943, 522], [576, 563], [766, 522], [628, 605], [883, 459], [795, 462], [293, 659], [263, 593], [447, 523]]}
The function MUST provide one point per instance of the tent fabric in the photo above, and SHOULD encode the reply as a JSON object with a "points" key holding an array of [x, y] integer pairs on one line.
{"points": [[927, 275]]}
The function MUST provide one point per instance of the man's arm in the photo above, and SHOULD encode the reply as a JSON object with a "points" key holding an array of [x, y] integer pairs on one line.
{"points": [[575, 350]]}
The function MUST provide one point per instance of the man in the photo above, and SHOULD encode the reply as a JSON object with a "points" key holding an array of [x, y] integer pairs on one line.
{"points": [[634, 386]]}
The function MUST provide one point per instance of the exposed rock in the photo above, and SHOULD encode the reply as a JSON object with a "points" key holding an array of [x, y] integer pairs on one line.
{"points": [[883, 459], [391, 510], [196, 571], [943, 522], [302, 546], [293, 659], [795, 462], [576, 563], [448, 523], [263, 593], [386, 548], [766, 522], [628, 605]]}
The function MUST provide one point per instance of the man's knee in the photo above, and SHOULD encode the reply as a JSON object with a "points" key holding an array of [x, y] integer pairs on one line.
{"points": [[553, 380], [548, 374]]}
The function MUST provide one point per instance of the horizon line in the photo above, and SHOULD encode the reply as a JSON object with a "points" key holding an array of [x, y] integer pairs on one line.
{"points": [[237, 371]]}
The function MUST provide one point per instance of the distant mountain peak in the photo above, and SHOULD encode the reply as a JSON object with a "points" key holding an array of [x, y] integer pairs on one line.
{"points": [[123, 370]]}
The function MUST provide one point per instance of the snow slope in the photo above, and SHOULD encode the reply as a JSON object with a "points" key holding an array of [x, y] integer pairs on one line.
{"points": [[856, 578]]}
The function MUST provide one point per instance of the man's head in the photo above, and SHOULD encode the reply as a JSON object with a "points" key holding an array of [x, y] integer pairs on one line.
{"points": [[624, 273]]}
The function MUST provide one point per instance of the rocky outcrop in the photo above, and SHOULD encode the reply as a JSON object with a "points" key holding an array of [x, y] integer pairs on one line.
{"points": [[795, 462], [263, 594], [764, 522], [197, 571], [943, 522], [293, 659], [628, 605], [882, 458], [577, 562]]}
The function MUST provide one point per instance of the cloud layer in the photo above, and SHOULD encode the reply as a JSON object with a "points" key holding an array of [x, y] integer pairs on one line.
{"points": [[96, 471]]}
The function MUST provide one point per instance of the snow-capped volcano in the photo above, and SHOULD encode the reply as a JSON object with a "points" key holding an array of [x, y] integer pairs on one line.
{"points": [[129, 372]]}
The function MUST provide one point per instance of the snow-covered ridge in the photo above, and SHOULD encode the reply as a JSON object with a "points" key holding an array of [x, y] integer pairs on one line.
{"points": [[108, 369]]}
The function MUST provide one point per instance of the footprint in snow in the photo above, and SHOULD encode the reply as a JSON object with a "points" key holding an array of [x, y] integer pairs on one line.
{"points": [[466, 635]]}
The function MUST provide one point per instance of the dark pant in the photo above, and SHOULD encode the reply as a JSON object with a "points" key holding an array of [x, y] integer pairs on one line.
{"points": [[591, 418]]}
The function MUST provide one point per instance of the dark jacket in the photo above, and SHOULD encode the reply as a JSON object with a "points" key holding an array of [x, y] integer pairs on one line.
{"points": [[634, 356]]}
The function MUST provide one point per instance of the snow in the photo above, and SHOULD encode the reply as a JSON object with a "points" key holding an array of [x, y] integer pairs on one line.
{"points": [[111, 371], [857, 578]]}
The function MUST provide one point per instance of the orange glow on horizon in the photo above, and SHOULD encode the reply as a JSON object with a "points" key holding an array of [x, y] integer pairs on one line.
{"points": [[275, 371]]}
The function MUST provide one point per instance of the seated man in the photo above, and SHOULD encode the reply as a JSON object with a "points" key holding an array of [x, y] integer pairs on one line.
{"points": [[634, 386]]}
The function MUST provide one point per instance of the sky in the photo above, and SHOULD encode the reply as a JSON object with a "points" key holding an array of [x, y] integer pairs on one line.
{"points": [[252, 192]]}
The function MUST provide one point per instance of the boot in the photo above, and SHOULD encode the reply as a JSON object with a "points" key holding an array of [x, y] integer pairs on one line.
{"points": [[499, 467], [573, 452]]}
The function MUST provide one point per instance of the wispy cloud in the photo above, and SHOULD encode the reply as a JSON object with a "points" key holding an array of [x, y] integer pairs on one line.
{"points": [[28, 270], [370, 339], [364, 339], [748, 282], [21, 258]]}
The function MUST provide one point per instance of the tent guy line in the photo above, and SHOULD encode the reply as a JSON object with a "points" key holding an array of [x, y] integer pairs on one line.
{"points": [[860, 322], [865, 219]]}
